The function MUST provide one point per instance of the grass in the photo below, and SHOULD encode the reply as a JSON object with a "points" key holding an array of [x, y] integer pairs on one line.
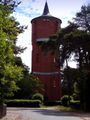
{"points": [[62, 108], [67, 109]]}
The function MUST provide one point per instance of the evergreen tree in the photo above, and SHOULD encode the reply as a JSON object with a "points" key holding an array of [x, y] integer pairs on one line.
{"points": [[75, 39], [82, 18]]}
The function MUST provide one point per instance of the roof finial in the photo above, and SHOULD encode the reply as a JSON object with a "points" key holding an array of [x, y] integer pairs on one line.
{"points": [[46, 9]]}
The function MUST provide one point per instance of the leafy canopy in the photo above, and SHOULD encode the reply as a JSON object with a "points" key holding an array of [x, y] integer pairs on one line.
{"points": [[9, 30]]}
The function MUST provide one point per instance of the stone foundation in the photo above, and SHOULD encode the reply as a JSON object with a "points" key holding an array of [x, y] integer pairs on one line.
{"points": [[3, 109]]}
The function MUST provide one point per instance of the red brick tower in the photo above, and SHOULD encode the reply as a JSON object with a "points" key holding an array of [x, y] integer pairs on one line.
{"points": [[44, 66]]}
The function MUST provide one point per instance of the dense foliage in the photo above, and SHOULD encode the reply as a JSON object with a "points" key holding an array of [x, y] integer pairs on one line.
{"points": [[23, 103], [9, 30], [74, 40], [28, 85]]}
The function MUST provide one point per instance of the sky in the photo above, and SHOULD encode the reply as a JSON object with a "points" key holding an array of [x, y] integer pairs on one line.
{"points": [[29, 9]]}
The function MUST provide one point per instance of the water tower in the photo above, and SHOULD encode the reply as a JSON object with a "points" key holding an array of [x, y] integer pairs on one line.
{"points": [[45, 66]]}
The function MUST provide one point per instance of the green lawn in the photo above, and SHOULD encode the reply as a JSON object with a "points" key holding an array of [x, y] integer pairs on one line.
{"points": [[62, 108]]}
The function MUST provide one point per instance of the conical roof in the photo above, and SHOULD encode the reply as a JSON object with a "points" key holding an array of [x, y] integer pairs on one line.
{"points": [[46, 10], [46, 14]]}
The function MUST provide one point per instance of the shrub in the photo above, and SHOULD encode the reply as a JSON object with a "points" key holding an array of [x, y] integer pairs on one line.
{"points": [[23, 103], [38, 96], [65, 100]]}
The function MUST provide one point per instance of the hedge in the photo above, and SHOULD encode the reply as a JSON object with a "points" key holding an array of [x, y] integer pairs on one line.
{"points": [[52, 103], [75, 104], [23, 103], [65, 100]]}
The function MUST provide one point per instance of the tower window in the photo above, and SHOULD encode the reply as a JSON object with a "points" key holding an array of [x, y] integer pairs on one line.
{"points": [[46, 20]]}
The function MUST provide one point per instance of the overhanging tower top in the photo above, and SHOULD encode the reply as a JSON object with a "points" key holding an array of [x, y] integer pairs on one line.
{"points": [[46, 10]]}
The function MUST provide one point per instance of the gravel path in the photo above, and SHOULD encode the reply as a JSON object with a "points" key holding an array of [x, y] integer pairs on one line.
{"points": [[12, 115], [42, 114]]}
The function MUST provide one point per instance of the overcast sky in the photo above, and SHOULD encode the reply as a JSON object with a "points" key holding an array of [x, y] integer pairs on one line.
{"points": [[29, 9]]}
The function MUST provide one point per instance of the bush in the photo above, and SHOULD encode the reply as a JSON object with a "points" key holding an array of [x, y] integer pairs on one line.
{"points": [[75, 104], [65, 100], [23, 103], [38, 96]]}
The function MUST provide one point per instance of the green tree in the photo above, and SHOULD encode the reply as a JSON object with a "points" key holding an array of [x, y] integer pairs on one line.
{"points": [[68, 80], [82, 18], [75, 40], [10, 73], [28, 85]]}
